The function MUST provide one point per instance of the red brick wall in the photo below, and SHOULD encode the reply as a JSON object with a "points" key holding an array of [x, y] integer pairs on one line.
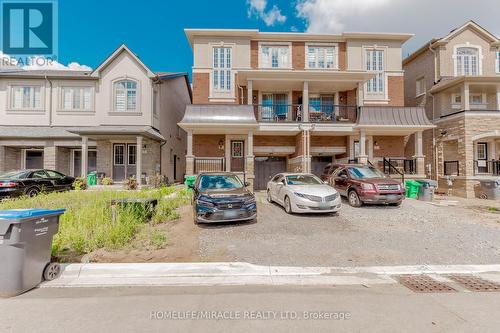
{"points": [[396, 91], [390, 146], [351, 98], [342, 56], [298, 55], [271, 140], [254, 54], [328, 141], [298, 145], [201, 88], [207, 145]]}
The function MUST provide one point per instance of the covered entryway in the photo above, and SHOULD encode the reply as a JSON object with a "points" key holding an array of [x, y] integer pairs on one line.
{"points": [[124, 161], [265, 168], [318, 164], [33, 159]]}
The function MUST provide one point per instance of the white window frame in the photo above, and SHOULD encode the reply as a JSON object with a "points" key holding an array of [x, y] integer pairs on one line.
{"points": [[420, 87], [124, 155], [479, 57], [91, 100], [221, 96], [128, 153], [137, 96], [335, 47], [10, 99], [482, 105], [276, 44], [380, 95], [497, 64], [216, 50]]}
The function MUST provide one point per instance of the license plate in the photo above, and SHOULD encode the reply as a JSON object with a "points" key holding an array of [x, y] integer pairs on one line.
{"points": [[231, 214], [324, 205], [392, 197]]}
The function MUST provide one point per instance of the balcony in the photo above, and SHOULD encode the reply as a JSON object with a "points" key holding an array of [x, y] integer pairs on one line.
{"points": [[484, 167], [318, 113]]}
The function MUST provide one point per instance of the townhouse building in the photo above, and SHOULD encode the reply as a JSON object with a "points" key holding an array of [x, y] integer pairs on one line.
{"points": [[119, 120], [456, 79], [266, 102]]}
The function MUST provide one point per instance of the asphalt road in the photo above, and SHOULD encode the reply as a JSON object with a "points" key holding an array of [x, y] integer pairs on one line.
{"points": [[248, 309], [416, 233]]}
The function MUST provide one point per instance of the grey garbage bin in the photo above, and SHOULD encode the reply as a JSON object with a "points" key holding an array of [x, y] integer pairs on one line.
{"points": [[488, 189], [426, 190], [25, 249]]}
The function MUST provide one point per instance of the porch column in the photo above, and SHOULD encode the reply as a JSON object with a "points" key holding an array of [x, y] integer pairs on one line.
{"points": [[360, 94], [85, 156], [363, 158], [370, 148], [465, 96], [305, 102], [189, 154], [498, 98], [2, 159], [336, 103], [419, 154], [249, 92], [138, 162], [250, 160]]}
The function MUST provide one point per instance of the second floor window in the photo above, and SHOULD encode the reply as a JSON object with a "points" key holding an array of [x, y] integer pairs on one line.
{"points": [[26, 97], [125, 95], [275, 57], [421, 89], [467, 61], [76, 98], [321, 57], [222, 69], [498, 61], [375, 63]]}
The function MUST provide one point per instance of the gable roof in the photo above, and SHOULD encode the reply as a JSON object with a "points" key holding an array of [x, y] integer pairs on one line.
{"points": [[114, 55], [443, 40]]}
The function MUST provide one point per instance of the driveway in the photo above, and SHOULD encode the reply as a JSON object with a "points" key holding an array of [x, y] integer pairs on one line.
{"points": [[415, 233]]}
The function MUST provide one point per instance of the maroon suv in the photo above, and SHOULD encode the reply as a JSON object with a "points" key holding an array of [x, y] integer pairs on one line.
{"points": [[366, 184]]}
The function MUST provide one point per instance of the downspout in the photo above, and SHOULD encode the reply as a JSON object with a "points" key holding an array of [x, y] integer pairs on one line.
{"points": [[242, 100], [50, 100], [434, 144]]}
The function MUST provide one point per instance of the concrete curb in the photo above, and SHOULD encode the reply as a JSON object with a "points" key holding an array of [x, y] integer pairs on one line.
{"points": [[238, 273]]}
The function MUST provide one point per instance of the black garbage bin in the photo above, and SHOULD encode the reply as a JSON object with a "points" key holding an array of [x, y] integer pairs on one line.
{"points": [[25, 249], [488, 189], [427, 189]]}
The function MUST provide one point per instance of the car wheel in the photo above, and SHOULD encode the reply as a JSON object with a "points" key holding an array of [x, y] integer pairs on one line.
{"points": [[354, 200], [288, 205], [32, 192], [269, 198]]}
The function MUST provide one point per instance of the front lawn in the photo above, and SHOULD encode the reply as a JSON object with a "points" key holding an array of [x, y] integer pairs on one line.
{"points": [[87, 224]]}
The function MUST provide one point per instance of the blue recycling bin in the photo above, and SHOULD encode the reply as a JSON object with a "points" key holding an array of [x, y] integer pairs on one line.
{"points": [[25, 248]]}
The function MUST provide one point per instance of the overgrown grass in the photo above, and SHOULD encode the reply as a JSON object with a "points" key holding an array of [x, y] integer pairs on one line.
{"points": [[87, 224]]}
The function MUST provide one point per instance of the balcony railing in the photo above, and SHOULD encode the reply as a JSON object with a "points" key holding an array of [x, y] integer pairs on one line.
{"points": [[451, 168], [328, 113], [483, 167], [408, 167], [318, 113], [209, 164]]}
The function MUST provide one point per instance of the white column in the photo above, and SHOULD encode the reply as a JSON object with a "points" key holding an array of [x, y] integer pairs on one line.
{"points": [[336, 102], [370, 147], [360, 94], [250, 144], [249, 92], [363, 158], [419, 151], [189, 143], [138, 162], [305, 102], [85, 155], [465, 96], [498, 98], [189, 154], [227, 153]]}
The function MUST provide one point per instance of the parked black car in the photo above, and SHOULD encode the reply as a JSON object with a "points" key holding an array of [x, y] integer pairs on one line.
{"points": [[32, 182], [222, 197]]}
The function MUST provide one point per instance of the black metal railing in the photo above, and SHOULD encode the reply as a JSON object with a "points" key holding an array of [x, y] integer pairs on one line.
{"points": [[209, 164], [278, 112], [408, 166], [487, 167], [451, 168], [325, 113], [391, 169]]}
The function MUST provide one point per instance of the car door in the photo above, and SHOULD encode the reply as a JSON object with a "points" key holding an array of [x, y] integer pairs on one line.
{"points": [[280, 190], [341, 181], [272, 186], [57, 179], [41, 179]]}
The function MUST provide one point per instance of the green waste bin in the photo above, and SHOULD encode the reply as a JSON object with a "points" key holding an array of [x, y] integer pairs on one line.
{"points": [[92, 179], [412, 188], [190, 180]]}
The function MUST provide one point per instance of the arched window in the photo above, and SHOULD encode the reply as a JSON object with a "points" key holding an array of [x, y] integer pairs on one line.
{"points": [[467, 61], [125, 95]]}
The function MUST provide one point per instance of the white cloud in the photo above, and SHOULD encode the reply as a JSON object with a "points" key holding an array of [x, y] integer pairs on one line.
{"points": [[270, 17], [38, 63], [424, 18]]}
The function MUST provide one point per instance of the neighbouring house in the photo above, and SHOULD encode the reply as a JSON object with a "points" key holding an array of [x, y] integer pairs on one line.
{"points": [[457, 79], [265, 103], [119, 120]]}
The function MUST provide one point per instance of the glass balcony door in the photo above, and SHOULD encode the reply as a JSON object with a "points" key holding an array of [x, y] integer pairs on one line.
{"points": [[274, 106]]}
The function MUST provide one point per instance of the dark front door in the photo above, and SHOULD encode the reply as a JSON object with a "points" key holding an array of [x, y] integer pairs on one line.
{"points": [[318, 164], [237, 156], [482, 157], [77, 162], [266, 168], [34, 159]]}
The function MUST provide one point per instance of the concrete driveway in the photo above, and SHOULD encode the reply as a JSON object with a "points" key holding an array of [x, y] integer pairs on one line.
{"points": [[415, 233]]}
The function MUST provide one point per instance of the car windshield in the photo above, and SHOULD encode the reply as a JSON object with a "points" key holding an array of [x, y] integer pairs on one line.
{"points": [[365, 173], [303, 180], [219, 182], [14, 175]]}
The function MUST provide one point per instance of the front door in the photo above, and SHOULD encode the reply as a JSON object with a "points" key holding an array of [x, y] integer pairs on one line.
{"points": [[77, 162], [124, 161], [237, 156], [34, 159], [482, 157]]}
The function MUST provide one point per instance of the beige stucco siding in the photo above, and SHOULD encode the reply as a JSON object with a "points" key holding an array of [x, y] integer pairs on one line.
{"points": [[356, 55], [203, 54]]}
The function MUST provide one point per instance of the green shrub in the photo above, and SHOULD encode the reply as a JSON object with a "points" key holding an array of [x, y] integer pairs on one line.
{"points": [[107, 181], [80, 184]]}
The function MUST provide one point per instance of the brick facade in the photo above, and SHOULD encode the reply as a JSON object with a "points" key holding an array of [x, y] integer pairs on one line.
{"points": [[343, 56], [389, 146], [396, 90], [328, 141], [268, 141], [298, 55], [207, 145], [201, 88], [254, 54]]}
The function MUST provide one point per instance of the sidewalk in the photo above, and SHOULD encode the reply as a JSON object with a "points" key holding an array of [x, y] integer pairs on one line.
{"points": [[240, 274]]}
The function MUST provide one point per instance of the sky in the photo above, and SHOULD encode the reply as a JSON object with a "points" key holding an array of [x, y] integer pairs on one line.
{"points": [[90, 30]]}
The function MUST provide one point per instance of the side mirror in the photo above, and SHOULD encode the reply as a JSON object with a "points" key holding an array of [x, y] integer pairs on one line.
{"points": [[246, 184]]}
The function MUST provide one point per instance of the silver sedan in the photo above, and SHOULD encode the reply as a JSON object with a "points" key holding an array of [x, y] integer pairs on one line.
{"points": [[303, 193]]}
